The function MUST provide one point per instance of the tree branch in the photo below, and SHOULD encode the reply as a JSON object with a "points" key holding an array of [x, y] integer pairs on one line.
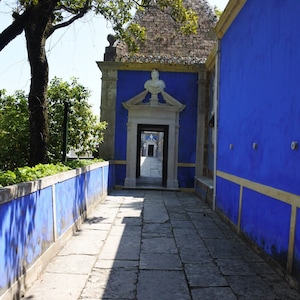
{"points": [[12, 31], [81, 13]]}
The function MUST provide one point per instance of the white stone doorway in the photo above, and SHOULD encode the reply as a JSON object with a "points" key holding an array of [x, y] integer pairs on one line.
{"points": [[157, 115]]}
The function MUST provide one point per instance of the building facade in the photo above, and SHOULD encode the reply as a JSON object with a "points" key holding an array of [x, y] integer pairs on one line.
{"points": [[175, 108]]}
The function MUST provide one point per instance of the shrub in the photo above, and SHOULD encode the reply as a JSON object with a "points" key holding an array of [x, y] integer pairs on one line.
{"points": [[25, 174]]}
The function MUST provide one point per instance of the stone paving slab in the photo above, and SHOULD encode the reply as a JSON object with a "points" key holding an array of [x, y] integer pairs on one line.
{"points": [[160, 261], [59, 287], [205, 274], [212, 293], [157, 245], [71, 264], [240, 267], [115, 283], [166, 285]]}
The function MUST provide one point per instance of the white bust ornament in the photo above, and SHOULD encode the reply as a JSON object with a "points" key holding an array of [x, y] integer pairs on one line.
{"points": [[154, 86]]}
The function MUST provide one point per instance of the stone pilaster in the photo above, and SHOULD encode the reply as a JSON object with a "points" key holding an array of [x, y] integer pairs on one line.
{"points": [[108, 107], [201, 122]]}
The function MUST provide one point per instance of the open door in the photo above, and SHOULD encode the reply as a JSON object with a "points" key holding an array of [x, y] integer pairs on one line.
{"points": [[152, 147]]}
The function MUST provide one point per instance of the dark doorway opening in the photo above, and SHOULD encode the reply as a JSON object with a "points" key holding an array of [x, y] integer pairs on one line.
{"points": [[150, 150], [152, 155]]}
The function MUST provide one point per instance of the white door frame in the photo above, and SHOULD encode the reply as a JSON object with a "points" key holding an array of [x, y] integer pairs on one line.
{"points": [[148, 114]]}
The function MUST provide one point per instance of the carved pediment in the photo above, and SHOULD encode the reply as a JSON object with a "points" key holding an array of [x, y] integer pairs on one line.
{"points": [[138, 100], [154, 86]]}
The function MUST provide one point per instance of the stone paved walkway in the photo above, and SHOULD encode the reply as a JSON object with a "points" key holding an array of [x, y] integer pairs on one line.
{"points": [[151, 166], [155, 245]]}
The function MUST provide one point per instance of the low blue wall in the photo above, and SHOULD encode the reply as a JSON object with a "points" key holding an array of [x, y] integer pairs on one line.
{"points": [[37, 215]]}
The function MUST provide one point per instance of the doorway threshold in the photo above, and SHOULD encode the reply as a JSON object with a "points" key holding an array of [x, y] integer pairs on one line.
{"points": [[150, 183], [152, 188]]}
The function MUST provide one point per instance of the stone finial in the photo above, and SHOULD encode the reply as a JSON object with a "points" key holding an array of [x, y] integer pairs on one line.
{"points": [[110, 51]]}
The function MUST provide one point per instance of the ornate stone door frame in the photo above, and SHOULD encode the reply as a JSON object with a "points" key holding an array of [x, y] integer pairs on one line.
{"points": [[166, 114]]}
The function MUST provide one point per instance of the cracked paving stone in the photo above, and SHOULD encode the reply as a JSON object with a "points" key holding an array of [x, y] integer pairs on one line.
{"points": [[204, 275], [116, 283]]}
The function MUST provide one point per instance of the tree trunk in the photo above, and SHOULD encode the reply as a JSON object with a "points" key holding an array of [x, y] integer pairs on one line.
{"points": [[35, 32], [37, 98]]}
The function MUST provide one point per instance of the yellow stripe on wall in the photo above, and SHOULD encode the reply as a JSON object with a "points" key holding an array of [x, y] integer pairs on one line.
{"points": [[283, 196], [186, 165], [120, 162]]}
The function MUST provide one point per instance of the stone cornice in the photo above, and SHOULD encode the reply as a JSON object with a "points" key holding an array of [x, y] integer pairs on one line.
{"points": [[231, 11], [103, 65]]}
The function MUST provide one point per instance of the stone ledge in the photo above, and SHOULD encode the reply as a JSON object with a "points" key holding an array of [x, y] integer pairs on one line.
{"points": [[18, 190]]}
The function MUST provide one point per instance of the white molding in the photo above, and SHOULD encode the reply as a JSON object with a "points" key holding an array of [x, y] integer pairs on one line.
{"points": [[165, 114]]}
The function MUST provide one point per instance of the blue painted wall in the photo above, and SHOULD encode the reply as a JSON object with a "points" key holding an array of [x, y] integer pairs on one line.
{"points": [[259, 103], [227, 199], [27, 222], [184, 88], [267, 222], [26, 230], [94, 184], [259, 98], [69, 202]]}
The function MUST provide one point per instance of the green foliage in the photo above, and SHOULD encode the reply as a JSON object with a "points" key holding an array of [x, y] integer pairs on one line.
{"points": [[41, 170], [186, 17], [14, 130], [218, 12], [7, 178], [119, 13], [85, 132], [26, 174], [79, 163]]}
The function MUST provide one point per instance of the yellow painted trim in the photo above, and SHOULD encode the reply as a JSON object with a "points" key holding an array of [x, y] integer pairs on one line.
{"points": [[281, 195], [186, 165], [118, 187], [289, 198], [211, 60], [292, 239], [240, 208], [120, 162], [231, 11], [187, 190]]}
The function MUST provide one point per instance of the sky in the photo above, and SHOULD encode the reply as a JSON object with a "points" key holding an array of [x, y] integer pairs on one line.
{"points": [[71, 52]]}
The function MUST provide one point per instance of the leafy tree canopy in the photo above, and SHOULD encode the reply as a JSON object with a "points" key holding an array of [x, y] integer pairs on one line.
{"points": [[14, 130], [85, 131], [39, 19], [118, 12]]}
